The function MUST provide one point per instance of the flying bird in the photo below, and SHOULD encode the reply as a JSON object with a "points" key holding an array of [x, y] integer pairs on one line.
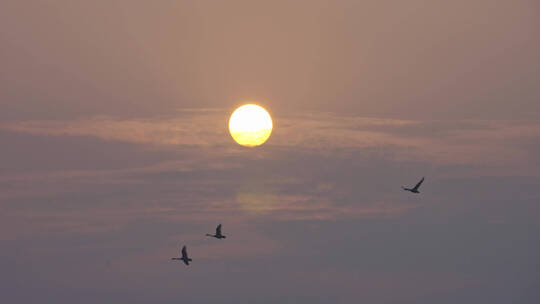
{"points": [[218, 234], [415, 189], [184, 257]]}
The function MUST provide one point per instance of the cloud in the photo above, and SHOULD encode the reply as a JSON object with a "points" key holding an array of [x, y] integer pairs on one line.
{"points": [[191, 153], [445, 141], [322, 193]]}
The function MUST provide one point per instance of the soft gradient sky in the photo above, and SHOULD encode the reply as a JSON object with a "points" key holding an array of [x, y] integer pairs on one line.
{"points": [[115, 151]]}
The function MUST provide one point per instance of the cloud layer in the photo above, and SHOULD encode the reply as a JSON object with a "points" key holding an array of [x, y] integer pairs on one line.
{"points": [[96, 207]]}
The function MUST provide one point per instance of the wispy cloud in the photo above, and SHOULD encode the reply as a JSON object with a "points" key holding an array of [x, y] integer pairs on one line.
{"points": [[124, 192], [203, 157], [466, 142]]}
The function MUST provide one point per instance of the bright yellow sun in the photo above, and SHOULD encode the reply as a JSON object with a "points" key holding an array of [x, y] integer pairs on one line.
{"points": [[250, 125]]}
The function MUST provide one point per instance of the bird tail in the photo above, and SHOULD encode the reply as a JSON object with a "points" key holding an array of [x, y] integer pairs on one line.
{"points": [[189, 260]]}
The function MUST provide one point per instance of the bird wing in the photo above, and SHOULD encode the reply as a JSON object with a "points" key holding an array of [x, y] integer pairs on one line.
{"points": [[184, 252], [218, 230], [419, 183]]}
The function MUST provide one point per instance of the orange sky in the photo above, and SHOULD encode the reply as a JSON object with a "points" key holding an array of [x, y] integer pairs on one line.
{"points": [[414, 59], [115, 151]]}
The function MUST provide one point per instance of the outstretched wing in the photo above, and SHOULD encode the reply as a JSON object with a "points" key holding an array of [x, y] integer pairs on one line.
{"points": [[184, 252], [418, 185], [218, 230]]}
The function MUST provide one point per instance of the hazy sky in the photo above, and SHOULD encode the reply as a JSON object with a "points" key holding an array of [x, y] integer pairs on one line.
{"points": [[404, 59], [115, 151]]}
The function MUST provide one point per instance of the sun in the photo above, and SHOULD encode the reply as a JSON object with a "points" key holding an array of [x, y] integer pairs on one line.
{"points": [[250, 125]]}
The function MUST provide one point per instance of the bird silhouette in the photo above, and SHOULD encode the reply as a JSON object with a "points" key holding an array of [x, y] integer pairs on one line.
{"points": [[218, 234], [415, 189], [184, 256]]}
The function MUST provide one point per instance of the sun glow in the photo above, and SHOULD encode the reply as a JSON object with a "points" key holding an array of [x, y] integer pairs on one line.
{"points": [[250, 125]]}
